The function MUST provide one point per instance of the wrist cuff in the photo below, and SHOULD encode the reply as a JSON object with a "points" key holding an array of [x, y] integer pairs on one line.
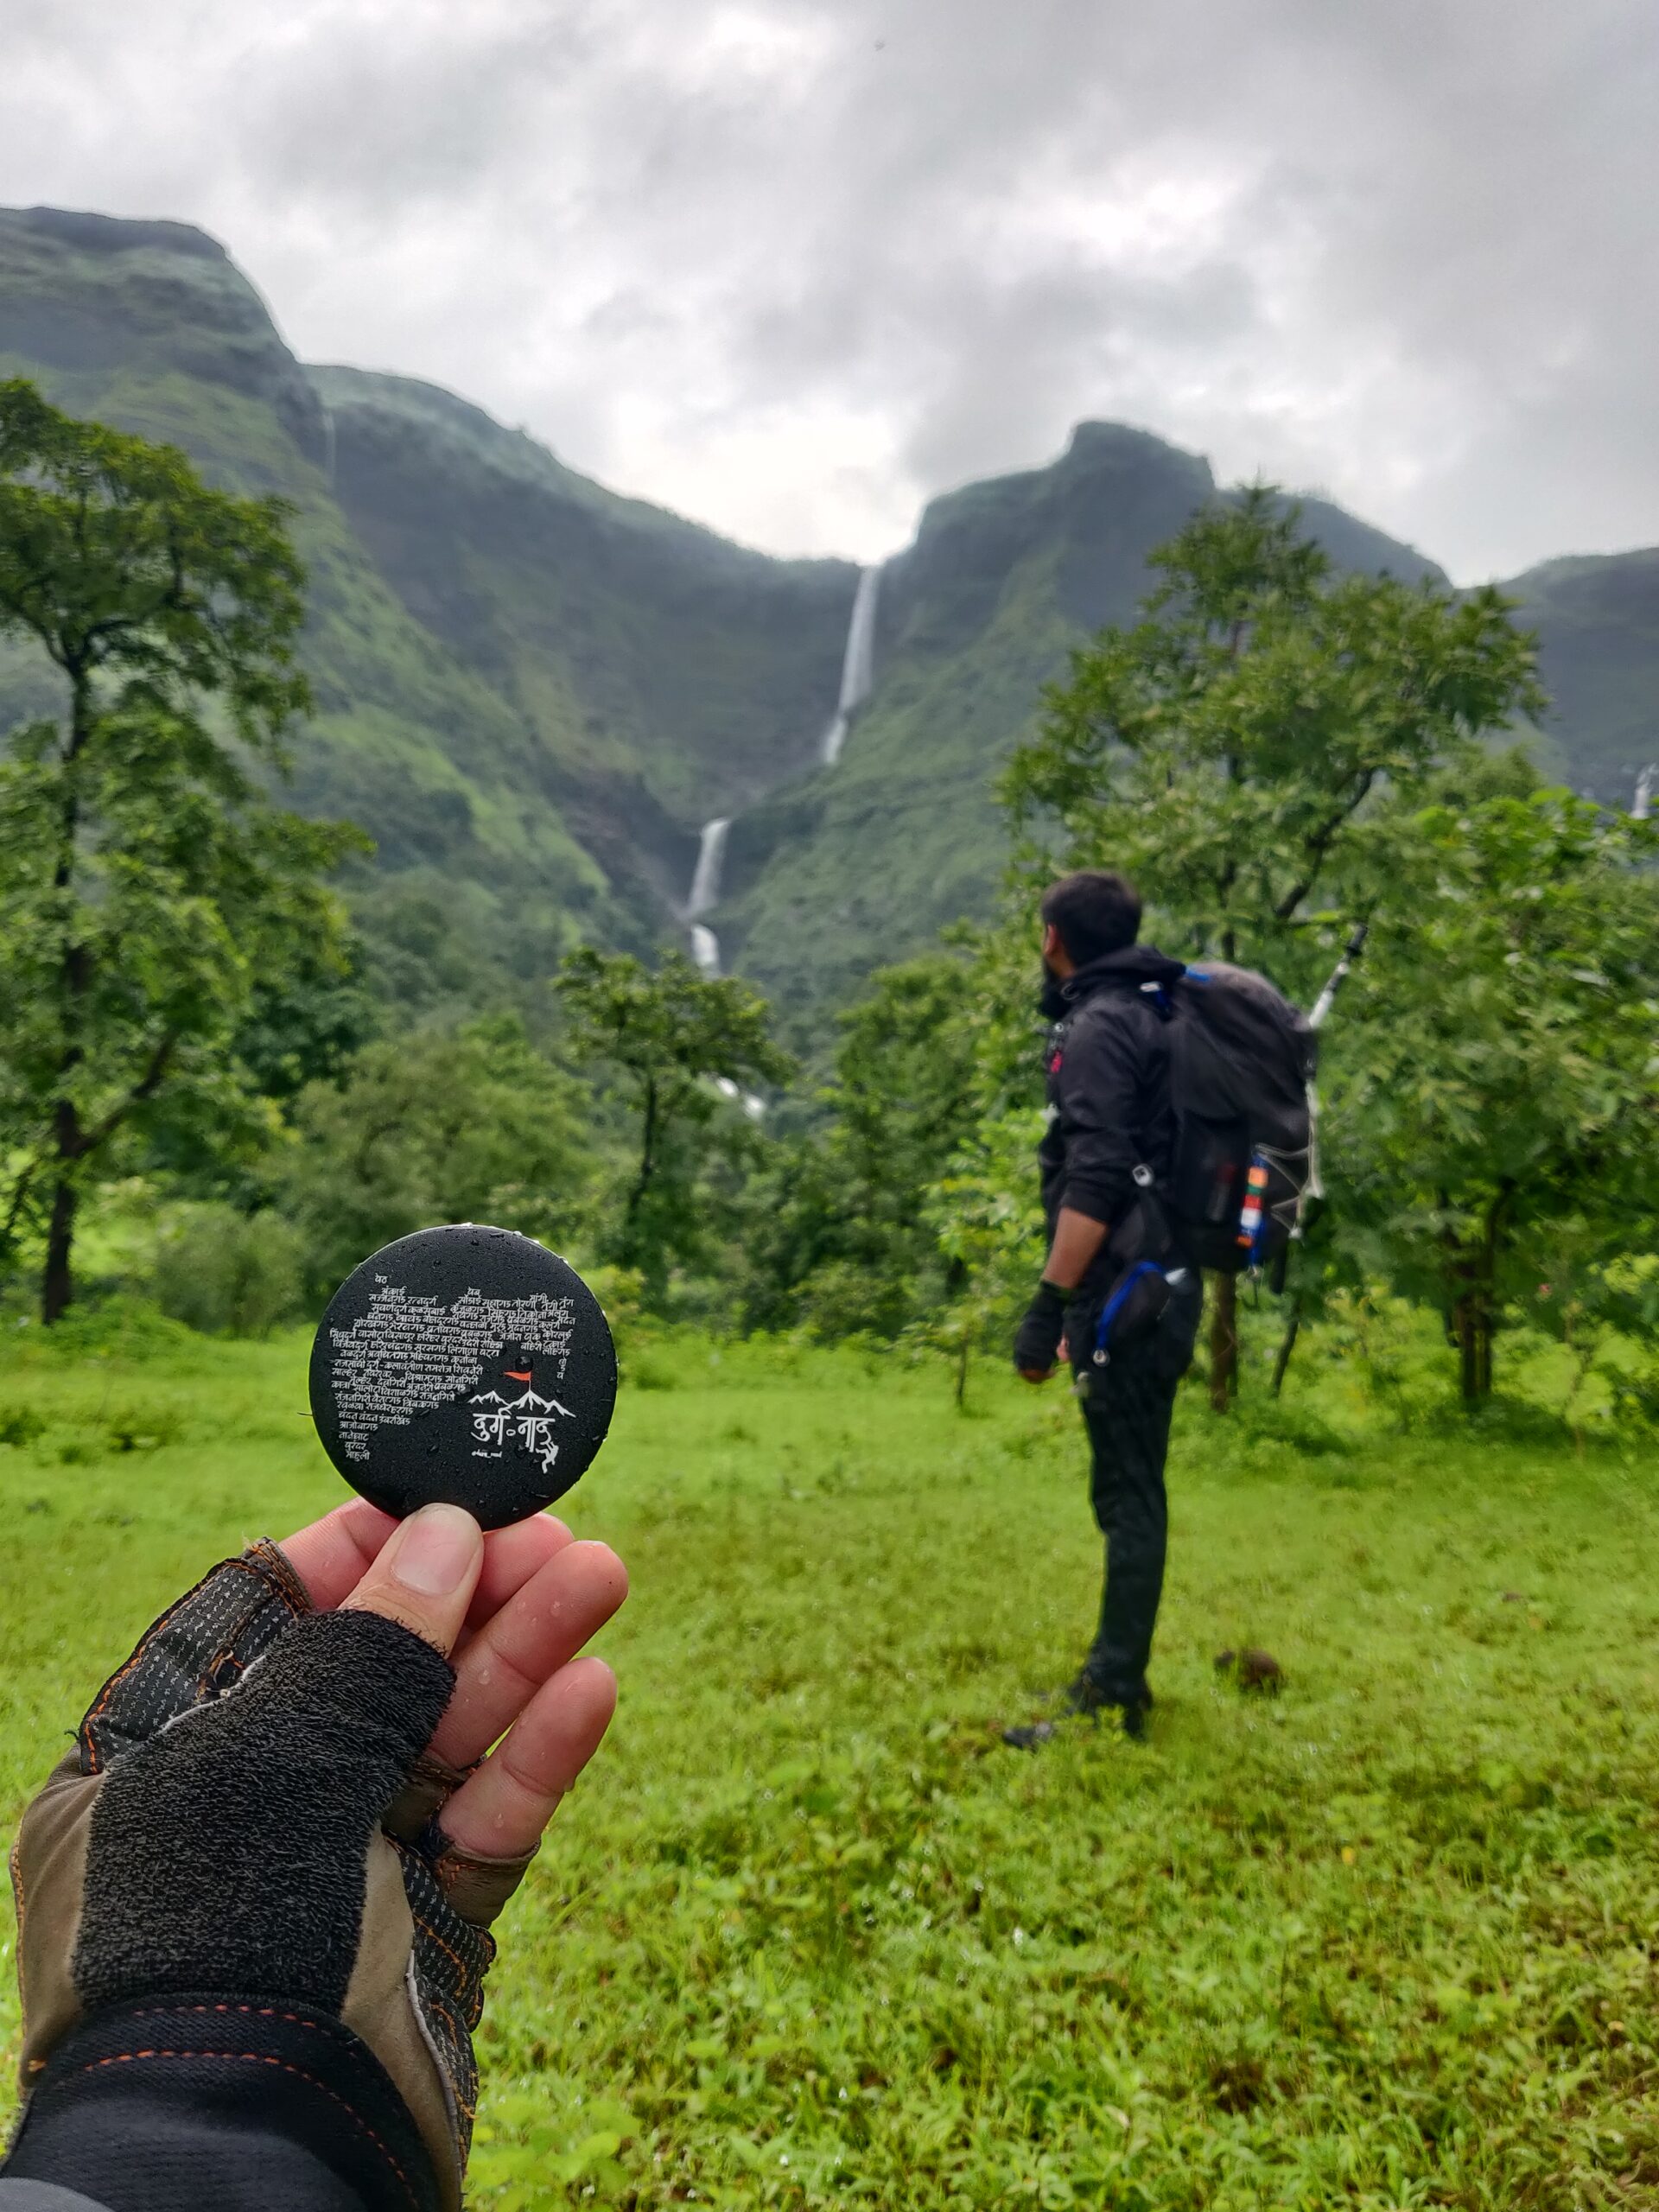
{"points": [[212, 2103]]}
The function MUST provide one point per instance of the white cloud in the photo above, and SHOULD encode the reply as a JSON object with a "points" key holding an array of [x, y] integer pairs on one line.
{"points": [[791, 265]]}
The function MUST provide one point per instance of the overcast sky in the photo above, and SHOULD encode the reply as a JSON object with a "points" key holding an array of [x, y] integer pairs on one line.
{"points": [[793, 266]]}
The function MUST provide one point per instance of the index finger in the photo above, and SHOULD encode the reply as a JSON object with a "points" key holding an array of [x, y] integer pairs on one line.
{"points": [[331, 1555]]}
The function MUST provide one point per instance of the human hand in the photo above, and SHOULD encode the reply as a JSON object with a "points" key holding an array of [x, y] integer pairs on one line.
{"points": [[530, 1598], [1038, 1340], [241, 1860]]}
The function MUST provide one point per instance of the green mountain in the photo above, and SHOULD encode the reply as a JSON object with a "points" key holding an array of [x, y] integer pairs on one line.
{"points": [[534, 693], [869, 858], [531, 691], [669, 676], [1597, 617]]}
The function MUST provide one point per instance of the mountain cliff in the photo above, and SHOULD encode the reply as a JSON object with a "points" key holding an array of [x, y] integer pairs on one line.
{"points": [[534, 692]]}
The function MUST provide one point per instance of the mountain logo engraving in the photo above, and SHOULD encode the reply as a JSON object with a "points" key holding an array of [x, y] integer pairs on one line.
{"points": [[528, 1420]]}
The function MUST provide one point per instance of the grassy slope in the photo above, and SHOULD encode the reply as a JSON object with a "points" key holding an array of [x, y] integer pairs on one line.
{"points": [[808, 1936]]}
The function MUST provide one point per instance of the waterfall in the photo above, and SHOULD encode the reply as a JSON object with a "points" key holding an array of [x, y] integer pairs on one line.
{"points": [[328, 445], [858, 664], [705, 892], [1644, 783], [705, 878]]}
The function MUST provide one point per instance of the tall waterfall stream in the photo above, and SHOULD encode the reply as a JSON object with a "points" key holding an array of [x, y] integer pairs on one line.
{"points": [[705, 892], [857, 666], [857, 681]]}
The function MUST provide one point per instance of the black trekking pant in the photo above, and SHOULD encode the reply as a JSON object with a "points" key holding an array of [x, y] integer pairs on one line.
{"points": [[1127, 1407]]}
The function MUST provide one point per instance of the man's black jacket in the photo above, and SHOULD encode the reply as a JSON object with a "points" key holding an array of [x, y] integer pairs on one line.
{"points": [[1108, 1109]]}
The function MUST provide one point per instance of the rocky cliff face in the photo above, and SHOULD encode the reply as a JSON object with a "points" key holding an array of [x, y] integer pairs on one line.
{"points": [[534, 693], [95, 302]]}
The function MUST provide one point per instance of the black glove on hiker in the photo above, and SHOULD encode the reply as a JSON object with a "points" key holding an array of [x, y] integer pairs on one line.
{"points": [[1037, 1340], [236, 1877]]}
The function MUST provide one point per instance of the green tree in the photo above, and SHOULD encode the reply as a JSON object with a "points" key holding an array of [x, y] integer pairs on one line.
{"points": [[473, 1125], [842, 1239], [149, 888], [984, 1215], [227, 1273], [674, 1039], [1245, 750], [1499, 1077]]}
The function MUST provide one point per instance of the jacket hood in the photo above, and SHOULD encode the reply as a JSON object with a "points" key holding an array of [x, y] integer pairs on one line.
{"points": [[1128, 969]]}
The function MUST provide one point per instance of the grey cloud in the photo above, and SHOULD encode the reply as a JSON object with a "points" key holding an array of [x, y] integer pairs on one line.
{"points": [[795, 264]]}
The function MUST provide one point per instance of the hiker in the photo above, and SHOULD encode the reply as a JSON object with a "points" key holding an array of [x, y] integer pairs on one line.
{"points": [[253, 1900], [1109, 1117]]}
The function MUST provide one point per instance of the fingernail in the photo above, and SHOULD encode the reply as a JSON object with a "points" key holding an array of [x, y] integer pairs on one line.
{"points": [[432, 1554]]}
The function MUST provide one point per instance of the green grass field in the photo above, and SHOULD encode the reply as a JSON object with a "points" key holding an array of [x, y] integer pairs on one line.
{"points": [[808, 1935]]}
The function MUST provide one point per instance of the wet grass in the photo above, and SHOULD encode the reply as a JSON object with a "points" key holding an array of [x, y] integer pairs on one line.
{"points": [[808, 1936]]}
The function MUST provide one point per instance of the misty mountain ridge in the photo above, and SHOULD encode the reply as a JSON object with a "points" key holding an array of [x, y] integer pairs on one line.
{"points": [[534, 692]]}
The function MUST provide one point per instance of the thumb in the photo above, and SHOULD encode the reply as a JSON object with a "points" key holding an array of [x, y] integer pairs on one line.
{"points": [[425, 1575]]}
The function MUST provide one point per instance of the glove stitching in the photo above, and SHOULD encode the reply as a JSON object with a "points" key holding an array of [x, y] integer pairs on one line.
{"points": [[282, 2066], [141, 1652], [273, 1561], [14, 1864], [467, 2106], [463, 1971], [243, 2011], [230, 1592]]}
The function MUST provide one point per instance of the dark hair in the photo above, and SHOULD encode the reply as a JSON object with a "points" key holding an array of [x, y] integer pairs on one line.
{"points": [[1094, 912]]}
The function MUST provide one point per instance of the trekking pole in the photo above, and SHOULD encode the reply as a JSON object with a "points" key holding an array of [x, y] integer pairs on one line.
{"points": [[1315, 1189], [1322, 1006], [1339, 974]]}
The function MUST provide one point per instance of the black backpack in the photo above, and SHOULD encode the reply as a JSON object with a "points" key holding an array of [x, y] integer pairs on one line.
{"points": [[1241, 1062]]}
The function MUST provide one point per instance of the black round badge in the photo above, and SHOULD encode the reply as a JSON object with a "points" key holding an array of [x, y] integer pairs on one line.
{"points": [[468, 1366]]}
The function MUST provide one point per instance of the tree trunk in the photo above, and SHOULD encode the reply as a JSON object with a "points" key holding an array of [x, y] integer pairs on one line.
{"points": [[1224, 1342], [1474, 1315], [1287, 1342], [1471, 1326], [1466, 1329], [57, 1284], [647, 1153]]}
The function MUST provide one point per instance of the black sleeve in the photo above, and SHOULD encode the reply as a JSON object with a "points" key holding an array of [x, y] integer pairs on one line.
{"points": [[1099, 1091], [216, 2105]]}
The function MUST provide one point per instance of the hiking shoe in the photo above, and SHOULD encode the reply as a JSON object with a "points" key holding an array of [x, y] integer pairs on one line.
{"points": [[1083, 1700], [1085, 1694]]}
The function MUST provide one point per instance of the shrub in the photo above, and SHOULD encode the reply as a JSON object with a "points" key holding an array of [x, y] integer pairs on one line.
{"points": [[124, 1327], [229, 1274]]}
